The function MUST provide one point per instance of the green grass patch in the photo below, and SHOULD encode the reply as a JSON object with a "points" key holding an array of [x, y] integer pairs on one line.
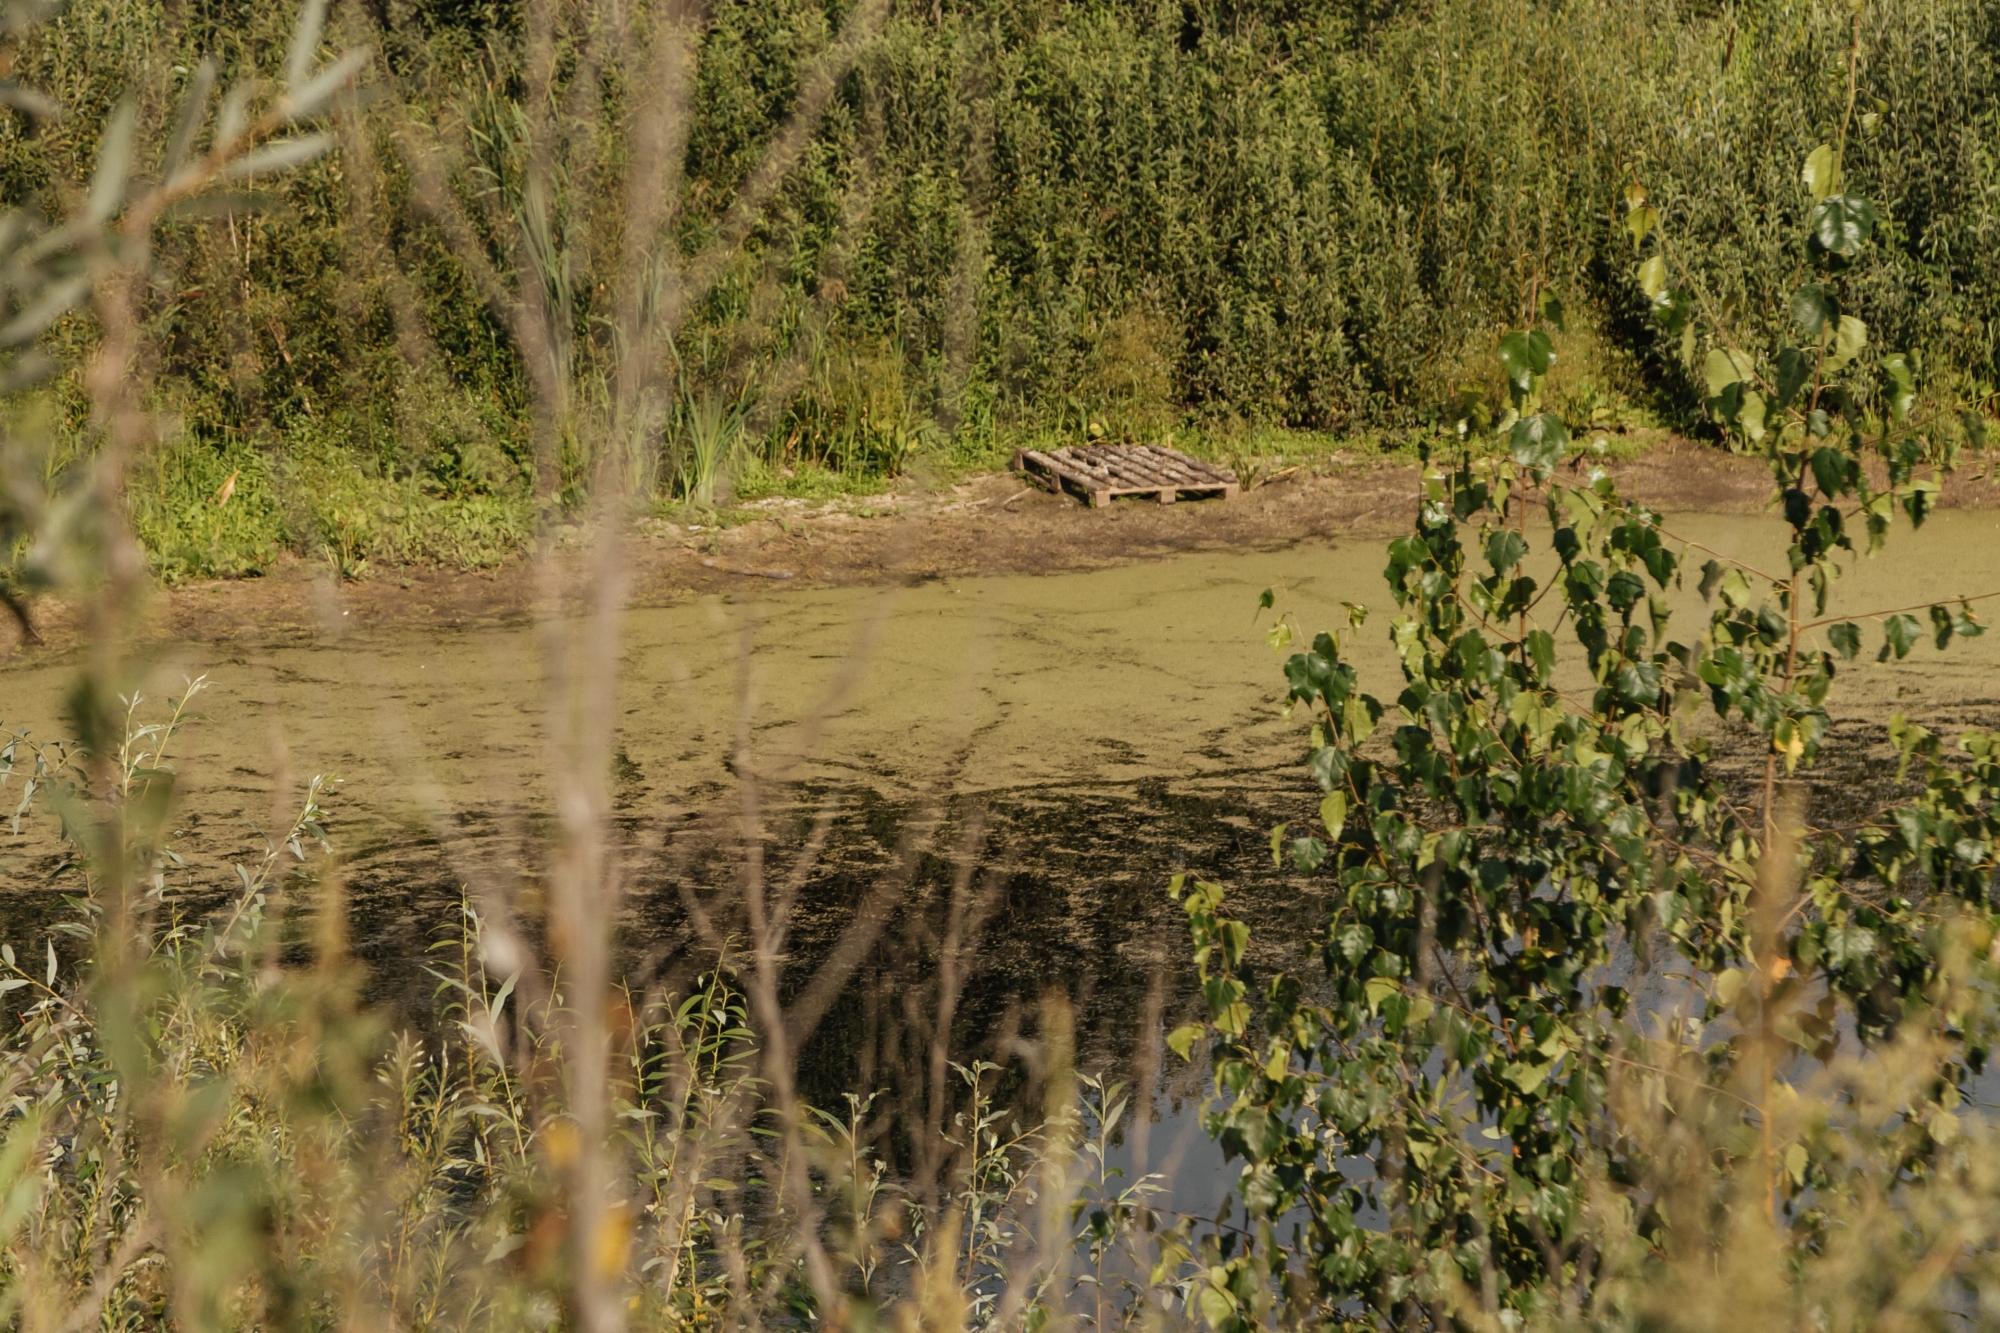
{"points": [[209, 508], [224, 508]]}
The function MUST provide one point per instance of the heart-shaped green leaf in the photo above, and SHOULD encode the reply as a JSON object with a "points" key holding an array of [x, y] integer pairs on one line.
{"points": [[1794, 369], [1673, 308], [1831, 469], [1821, 173], [1750, 416], [1901, 632], [1813, 309], [1653, 277], [1941, 626], [1723, 368], [1526, 357], [1182, 1039], [1504, 550], [1841, 224], [1899, 384], [1975, 428], [1848, 340], [1539, 442]]}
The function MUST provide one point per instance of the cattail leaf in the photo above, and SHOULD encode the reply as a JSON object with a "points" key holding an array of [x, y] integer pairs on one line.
{"points": [[194, 110], [305, 40], [28, 101], [308, 101], [219, 203], [114, 165], [276, 157], [235, 108], [32, 367], [54, 302]]}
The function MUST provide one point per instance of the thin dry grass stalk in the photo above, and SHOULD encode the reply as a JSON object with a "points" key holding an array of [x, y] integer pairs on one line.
{"points": [[211, 1137]]}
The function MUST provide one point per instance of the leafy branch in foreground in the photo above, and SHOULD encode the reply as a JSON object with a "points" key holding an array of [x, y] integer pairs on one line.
{"points": [[1577, 979]]}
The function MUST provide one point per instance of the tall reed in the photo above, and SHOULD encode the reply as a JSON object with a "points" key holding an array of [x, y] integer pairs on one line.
{"points": [[209, 1130], [230, 1140]]}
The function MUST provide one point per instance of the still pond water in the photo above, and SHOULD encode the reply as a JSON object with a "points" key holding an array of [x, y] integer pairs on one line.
{"points": [[1058, 746]]}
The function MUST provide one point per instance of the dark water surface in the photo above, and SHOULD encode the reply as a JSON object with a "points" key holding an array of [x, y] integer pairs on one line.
{"points": [[1043, 752]]}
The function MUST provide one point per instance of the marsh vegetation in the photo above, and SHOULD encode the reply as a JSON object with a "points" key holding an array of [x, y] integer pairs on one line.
{"points": [[905, 239], [1595, 981]]}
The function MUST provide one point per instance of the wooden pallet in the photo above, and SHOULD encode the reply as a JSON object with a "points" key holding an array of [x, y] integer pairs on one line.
{"points": [[1101, 472]]}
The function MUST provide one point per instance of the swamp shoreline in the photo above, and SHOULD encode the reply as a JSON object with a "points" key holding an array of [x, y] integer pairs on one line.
{"points": [[987, 525]]}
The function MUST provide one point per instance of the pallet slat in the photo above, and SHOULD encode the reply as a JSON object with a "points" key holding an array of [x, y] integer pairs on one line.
{"points": [[1104, 471]]}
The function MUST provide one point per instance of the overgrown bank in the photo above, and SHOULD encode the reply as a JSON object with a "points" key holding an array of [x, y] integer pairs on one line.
{"points": [[1006, 220]]}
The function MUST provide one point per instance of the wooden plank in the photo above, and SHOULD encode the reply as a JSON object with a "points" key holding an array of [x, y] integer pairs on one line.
{"points": [[1181, 466], [1104, 481], [1146, 470], [1057, 473], [1050, 473], [1178, 476], [1085, 464], [1095, 492], [1207, 469], [1193, 469]]}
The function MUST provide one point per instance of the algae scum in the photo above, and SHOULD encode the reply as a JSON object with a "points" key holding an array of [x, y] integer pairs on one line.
{"points": [[1014, 766]]}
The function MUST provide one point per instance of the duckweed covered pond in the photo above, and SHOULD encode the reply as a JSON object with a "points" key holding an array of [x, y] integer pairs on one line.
{"points": [[1035, 754]]}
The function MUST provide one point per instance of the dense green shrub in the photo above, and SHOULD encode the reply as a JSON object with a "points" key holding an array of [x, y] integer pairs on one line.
{"points": [[1315, 215]]}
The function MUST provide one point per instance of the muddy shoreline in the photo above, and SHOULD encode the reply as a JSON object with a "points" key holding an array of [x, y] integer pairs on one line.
{"points": [[988, 525]]}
